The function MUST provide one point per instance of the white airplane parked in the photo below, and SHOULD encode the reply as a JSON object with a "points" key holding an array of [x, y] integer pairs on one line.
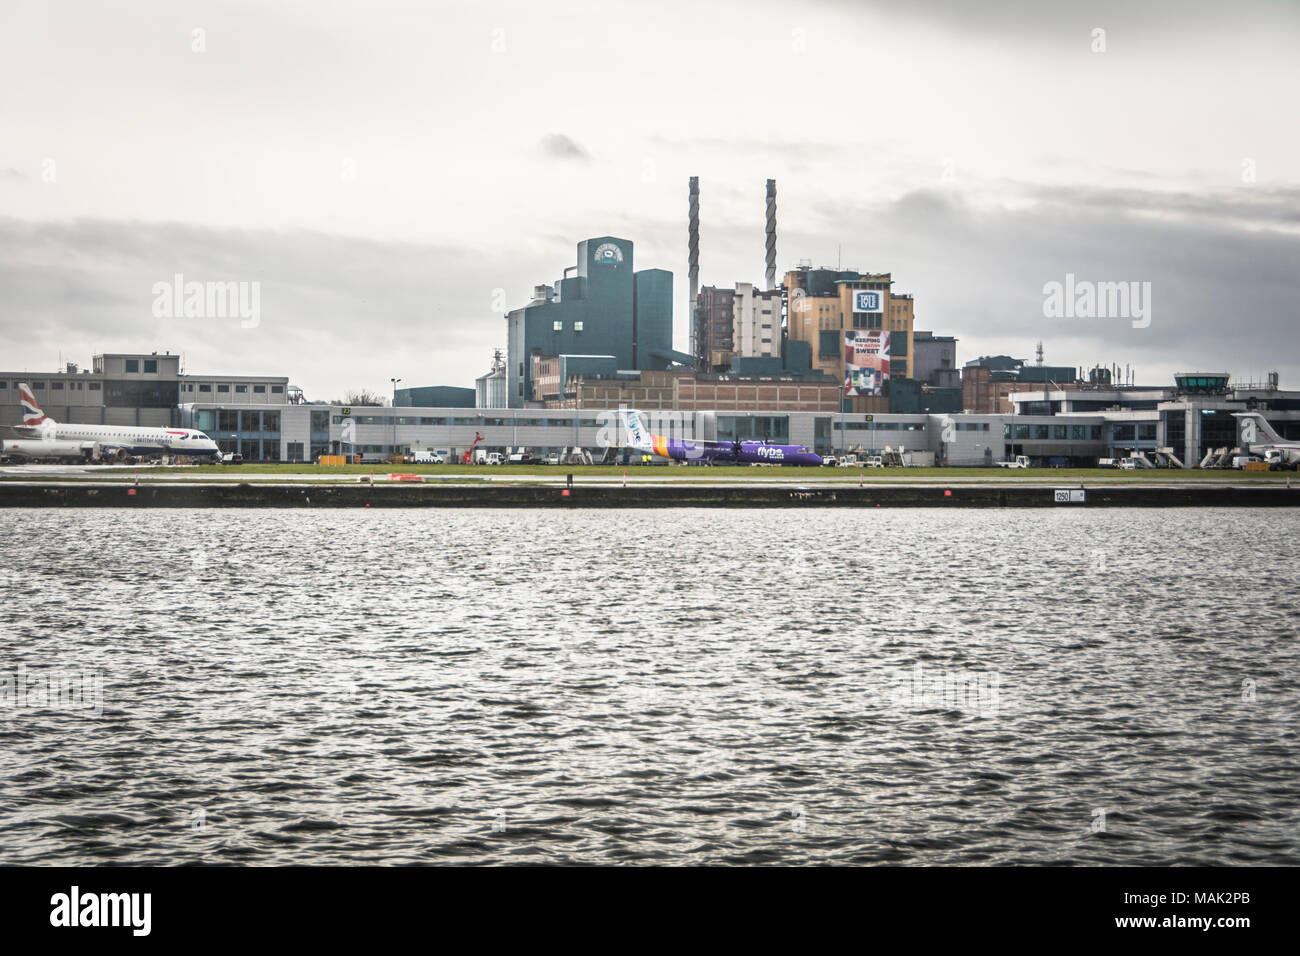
{"points": [[1258, 437], [120, 442]]}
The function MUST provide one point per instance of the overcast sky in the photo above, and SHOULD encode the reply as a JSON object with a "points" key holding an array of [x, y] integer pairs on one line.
{"points": [[392, 173]]}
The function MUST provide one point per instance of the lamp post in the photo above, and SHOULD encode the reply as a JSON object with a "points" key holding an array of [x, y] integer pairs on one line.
{"points": [[394, 381]]}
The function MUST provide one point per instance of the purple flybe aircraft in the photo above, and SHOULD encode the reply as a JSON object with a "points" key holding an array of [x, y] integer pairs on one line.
{"points": [[715, 452]]}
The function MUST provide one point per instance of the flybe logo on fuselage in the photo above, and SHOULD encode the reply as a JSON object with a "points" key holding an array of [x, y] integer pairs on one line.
{"points": [[769, 451]]}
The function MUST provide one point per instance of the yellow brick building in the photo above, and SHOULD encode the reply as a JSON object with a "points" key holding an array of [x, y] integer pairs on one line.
{"points": [[820, 311]]}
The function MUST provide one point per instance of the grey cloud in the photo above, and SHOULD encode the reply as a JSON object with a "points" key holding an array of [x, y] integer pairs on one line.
{"points": [[1222, 289], [337, 311], [1011, 19], [1222, 268], [559, 146], [341, 311], [1276, 206]]}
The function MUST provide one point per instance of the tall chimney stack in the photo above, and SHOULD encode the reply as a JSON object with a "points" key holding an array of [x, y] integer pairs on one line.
{"points": [[771, 233], [693, 239], [693, 259]]}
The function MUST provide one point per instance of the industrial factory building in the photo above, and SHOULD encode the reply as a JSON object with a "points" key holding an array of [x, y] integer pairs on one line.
{"points": [[434, 396], [848, 327], [743, 322], [604, 308], [934, 360], [990, 382], [684, 390], [824, 304]]}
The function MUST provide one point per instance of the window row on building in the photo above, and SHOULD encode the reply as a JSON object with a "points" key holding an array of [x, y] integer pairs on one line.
{"points": [[239, 388], [1038, 432], [880, 426], [215, 421], [39, 385], [140, 394], [470, 420]]}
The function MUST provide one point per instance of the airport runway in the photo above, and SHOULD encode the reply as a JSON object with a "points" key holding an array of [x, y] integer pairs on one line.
{"points": [[809, 478], [520, 490]]}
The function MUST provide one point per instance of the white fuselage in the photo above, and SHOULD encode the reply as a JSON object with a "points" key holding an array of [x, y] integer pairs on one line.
{"points": [[136, 440]]}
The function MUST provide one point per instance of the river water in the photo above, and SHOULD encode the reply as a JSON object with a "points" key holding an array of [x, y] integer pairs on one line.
{"points": [[669, 686]]}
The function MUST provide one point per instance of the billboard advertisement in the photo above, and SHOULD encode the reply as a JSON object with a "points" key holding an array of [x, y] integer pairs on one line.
{"points": [[866, 361], [868, 300]]}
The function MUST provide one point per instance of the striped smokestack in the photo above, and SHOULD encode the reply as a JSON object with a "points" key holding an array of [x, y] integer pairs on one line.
{"points": [[771, 233], [693, 240], [693, 258]]}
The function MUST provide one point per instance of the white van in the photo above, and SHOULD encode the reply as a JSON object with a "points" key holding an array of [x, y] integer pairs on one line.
{"points": [[424, 456]]}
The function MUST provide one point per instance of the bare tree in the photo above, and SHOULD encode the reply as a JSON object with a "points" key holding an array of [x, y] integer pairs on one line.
{"points": [[360, 397]]}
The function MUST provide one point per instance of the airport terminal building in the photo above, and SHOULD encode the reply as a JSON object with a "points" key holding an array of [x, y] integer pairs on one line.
{"points": [[304, 432], [134, 389], [1066, 427], [263, 418], [1189, 420]]}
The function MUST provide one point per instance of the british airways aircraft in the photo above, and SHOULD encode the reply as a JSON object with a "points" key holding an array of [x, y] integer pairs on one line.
{"points": [[715, 452], [117, 441]]}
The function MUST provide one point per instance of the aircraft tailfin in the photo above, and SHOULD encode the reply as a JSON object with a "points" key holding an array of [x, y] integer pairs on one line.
{"points": [[1255, 429], [638, 436], [32, 414]]}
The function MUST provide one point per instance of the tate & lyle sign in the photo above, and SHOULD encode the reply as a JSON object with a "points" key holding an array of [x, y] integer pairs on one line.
{"points": [[868, 300]]}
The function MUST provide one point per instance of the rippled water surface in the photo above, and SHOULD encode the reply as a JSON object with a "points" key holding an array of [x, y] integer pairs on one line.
{"points": [[675, 686]]}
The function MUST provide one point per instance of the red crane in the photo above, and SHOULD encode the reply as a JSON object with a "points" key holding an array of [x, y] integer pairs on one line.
{"points": [[468, 457]]}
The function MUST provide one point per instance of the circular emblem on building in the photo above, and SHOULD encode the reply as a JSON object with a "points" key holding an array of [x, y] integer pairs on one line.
{"points": [[609, 253]]}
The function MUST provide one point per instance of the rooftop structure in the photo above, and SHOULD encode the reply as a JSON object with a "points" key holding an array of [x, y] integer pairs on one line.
{"points": [[133, 388], [604, 308]]}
